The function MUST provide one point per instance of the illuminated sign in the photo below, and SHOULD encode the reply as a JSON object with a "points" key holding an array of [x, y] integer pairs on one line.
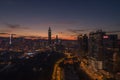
{"points": [[105, 37]]}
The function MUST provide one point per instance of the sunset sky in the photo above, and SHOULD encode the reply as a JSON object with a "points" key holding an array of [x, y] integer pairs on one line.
{"points": [[33, 17]]}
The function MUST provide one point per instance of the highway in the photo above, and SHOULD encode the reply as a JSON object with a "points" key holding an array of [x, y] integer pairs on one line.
{"points": [[71, 73], [69, 69]]}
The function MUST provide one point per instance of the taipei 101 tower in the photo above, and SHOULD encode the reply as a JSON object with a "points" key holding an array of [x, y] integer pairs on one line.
{"points": [[11, 36], [49, 36]]}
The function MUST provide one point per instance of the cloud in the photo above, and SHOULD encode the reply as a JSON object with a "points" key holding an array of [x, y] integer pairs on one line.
{"points": [[68, 22], [62, 22], [117, 25], [3, 33], [31, 37], [114, 31], [15, 26], [76, 30]]}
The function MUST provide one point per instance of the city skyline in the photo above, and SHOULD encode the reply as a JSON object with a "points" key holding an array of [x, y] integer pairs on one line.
{"points": [[33, 18]]}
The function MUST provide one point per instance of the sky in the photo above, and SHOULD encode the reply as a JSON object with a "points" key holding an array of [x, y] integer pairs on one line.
{"points": [[65, 17]]}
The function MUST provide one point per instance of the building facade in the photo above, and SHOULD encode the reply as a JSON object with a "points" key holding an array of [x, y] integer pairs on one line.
{"points": [[102, 48], [49, 36]]}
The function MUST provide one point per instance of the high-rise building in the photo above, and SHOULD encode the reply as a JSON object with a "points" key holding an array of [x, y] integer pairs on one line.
{"points": [[11, 36], [110, 51], [49, 36], [103, 49], [79, 38], [96, 49], [95, 44], [56, 39], [83, 44]]}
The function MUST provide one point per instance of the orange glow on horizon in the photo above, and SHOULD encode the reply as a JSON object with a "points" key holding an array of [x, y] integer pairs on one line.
{"points": [[34, 34], [40, 37]]}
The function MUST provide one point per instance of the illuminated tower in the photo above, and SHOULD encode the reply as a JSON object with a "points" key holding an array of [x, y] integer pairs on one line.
{"points": [[10, 42], [56, 38], [49, 36]]}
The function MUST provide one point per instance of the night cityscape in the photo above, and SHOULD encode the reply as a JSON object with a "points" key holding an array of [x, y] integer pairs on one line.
{"points": [[59, 40]]}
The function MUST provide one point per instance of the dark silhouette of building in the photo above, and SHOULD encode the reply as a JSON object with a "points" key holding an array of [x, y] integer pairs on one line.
{"points": [[83, 44], [57, 39], [79, 38], [96, 44], [49, 36], [104, 49], [110, 51]]}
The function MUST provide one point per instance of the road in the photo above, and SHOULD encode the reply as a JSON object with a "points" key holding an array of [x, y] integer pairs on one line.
{"points": [[72, 71]]}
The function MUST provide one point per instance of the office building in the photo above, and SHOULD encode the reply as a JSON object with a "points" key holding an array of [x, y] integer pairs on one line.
{"points": [[49, 36]]}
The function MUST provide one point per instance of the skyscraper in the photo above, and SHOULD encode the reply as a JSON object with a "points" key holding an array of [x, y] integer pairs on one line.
{"points": [[10, 42], [96, 44], [49, 36], [85, 43], [56, 39]]}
